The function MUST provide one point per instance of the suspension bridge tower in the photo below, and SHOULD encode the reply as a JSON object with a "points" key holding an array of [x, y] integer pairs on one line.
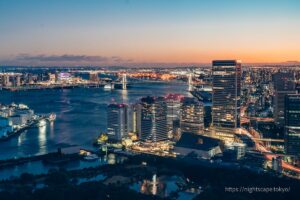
{"points": [[190, 82], [124, 81]]}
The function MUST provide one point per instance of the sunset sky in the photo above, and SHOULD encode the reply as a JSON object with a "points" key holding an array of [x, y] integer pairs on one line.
{"points": [[46, 32]]}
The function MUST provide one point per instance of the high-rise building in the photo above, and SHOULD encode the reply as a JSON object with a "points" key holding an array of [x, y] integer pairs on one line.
{"points": [[173, 110], [16, 80], [292, 124], [283, 84], [52, 77], [117, 121], [226, 98], [152, 119], [132, 118], [94, 77], [6, 81], [191, 117]]}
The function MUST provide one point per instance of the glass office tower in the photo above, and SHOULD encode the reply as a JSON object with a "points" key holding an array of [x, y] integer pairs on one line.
{"points": [[292, 124], [226, 76], [152, 114], [191, 119], [117, 121], [173, 111], [283, 84]]}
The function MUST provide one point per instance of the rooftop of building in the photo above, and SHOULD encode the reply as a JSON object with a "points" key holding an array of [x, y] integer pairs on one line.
{"points": [[225, 62], [151, 99], [174, 97], [198, 142], [148, 99], [236, 144], [293, 96], [190, 100]]}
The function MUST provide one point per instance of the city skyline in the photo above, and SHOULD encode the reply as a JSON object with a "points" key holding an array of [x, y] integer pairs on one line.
{"points": [[145, 32], [222, 118], [149, 99]]}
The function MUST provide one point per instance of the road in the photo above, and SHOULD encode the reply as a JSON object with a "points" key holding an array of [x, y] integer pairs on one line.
{"points": [[260, 147]]}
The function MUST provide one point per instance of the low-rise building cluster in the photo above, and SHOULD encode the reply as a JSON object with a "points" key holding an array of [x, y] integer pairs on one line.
{"points": [[14, 117]]}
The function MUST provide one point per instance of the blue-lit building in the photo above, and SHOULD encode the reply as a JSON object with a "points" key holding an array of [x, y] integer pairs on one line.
{"points": [[173, 111], [152, 119], [117, 121], [292, 124], [283, 85]]}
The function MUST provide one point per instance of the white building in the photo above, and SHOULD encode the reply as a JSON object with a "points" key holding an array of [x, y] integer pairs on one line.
{"points": [[5, 126]]}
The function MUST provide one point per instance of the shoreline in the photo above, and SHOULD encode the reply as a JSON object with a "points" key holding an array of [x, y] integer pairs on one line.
{"points": [[21, 130]]}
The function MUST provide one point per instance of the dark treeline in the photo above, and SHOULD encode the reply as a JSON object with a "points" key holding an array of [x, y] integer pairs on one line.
{"points": [[59, 185]]}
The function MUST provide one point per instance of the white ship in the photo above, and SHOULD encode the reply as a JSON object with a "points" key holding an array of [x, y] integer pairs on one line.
{"points": [[109, 86]]}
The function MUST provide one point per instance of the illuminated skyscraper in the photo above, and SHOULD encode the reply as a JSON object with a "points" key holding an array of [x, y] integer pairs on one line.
{"points": [[292, 124], [283, 84], [191, 118], [152, 116], [132, 118], [226, 97], [117, 121], [173, 110]]}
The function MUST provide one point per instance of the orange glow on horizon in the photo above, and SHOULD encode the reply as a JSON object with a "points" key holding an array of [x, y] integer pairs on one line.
{"points": [[200, 57]]}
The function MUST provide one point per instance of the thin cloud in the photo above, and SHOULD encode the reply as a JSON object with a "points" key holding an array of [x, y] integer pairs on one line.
{"points": [[70, 58]]}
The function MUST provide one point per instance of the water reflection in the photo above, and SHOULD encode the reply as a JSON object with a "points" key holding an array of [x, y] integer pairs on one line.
{"points": [[161, 186], [81, 115], [114, 159], [51, 125], [38, 167], [99, 177], [42, 138], [111, 159], [165, 186], [124, 94], [22, 138]]}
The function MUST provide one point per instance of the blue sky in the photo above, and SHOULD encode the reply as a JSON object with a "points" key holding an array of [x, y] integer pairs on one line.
{"points": [[174, 31]]}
